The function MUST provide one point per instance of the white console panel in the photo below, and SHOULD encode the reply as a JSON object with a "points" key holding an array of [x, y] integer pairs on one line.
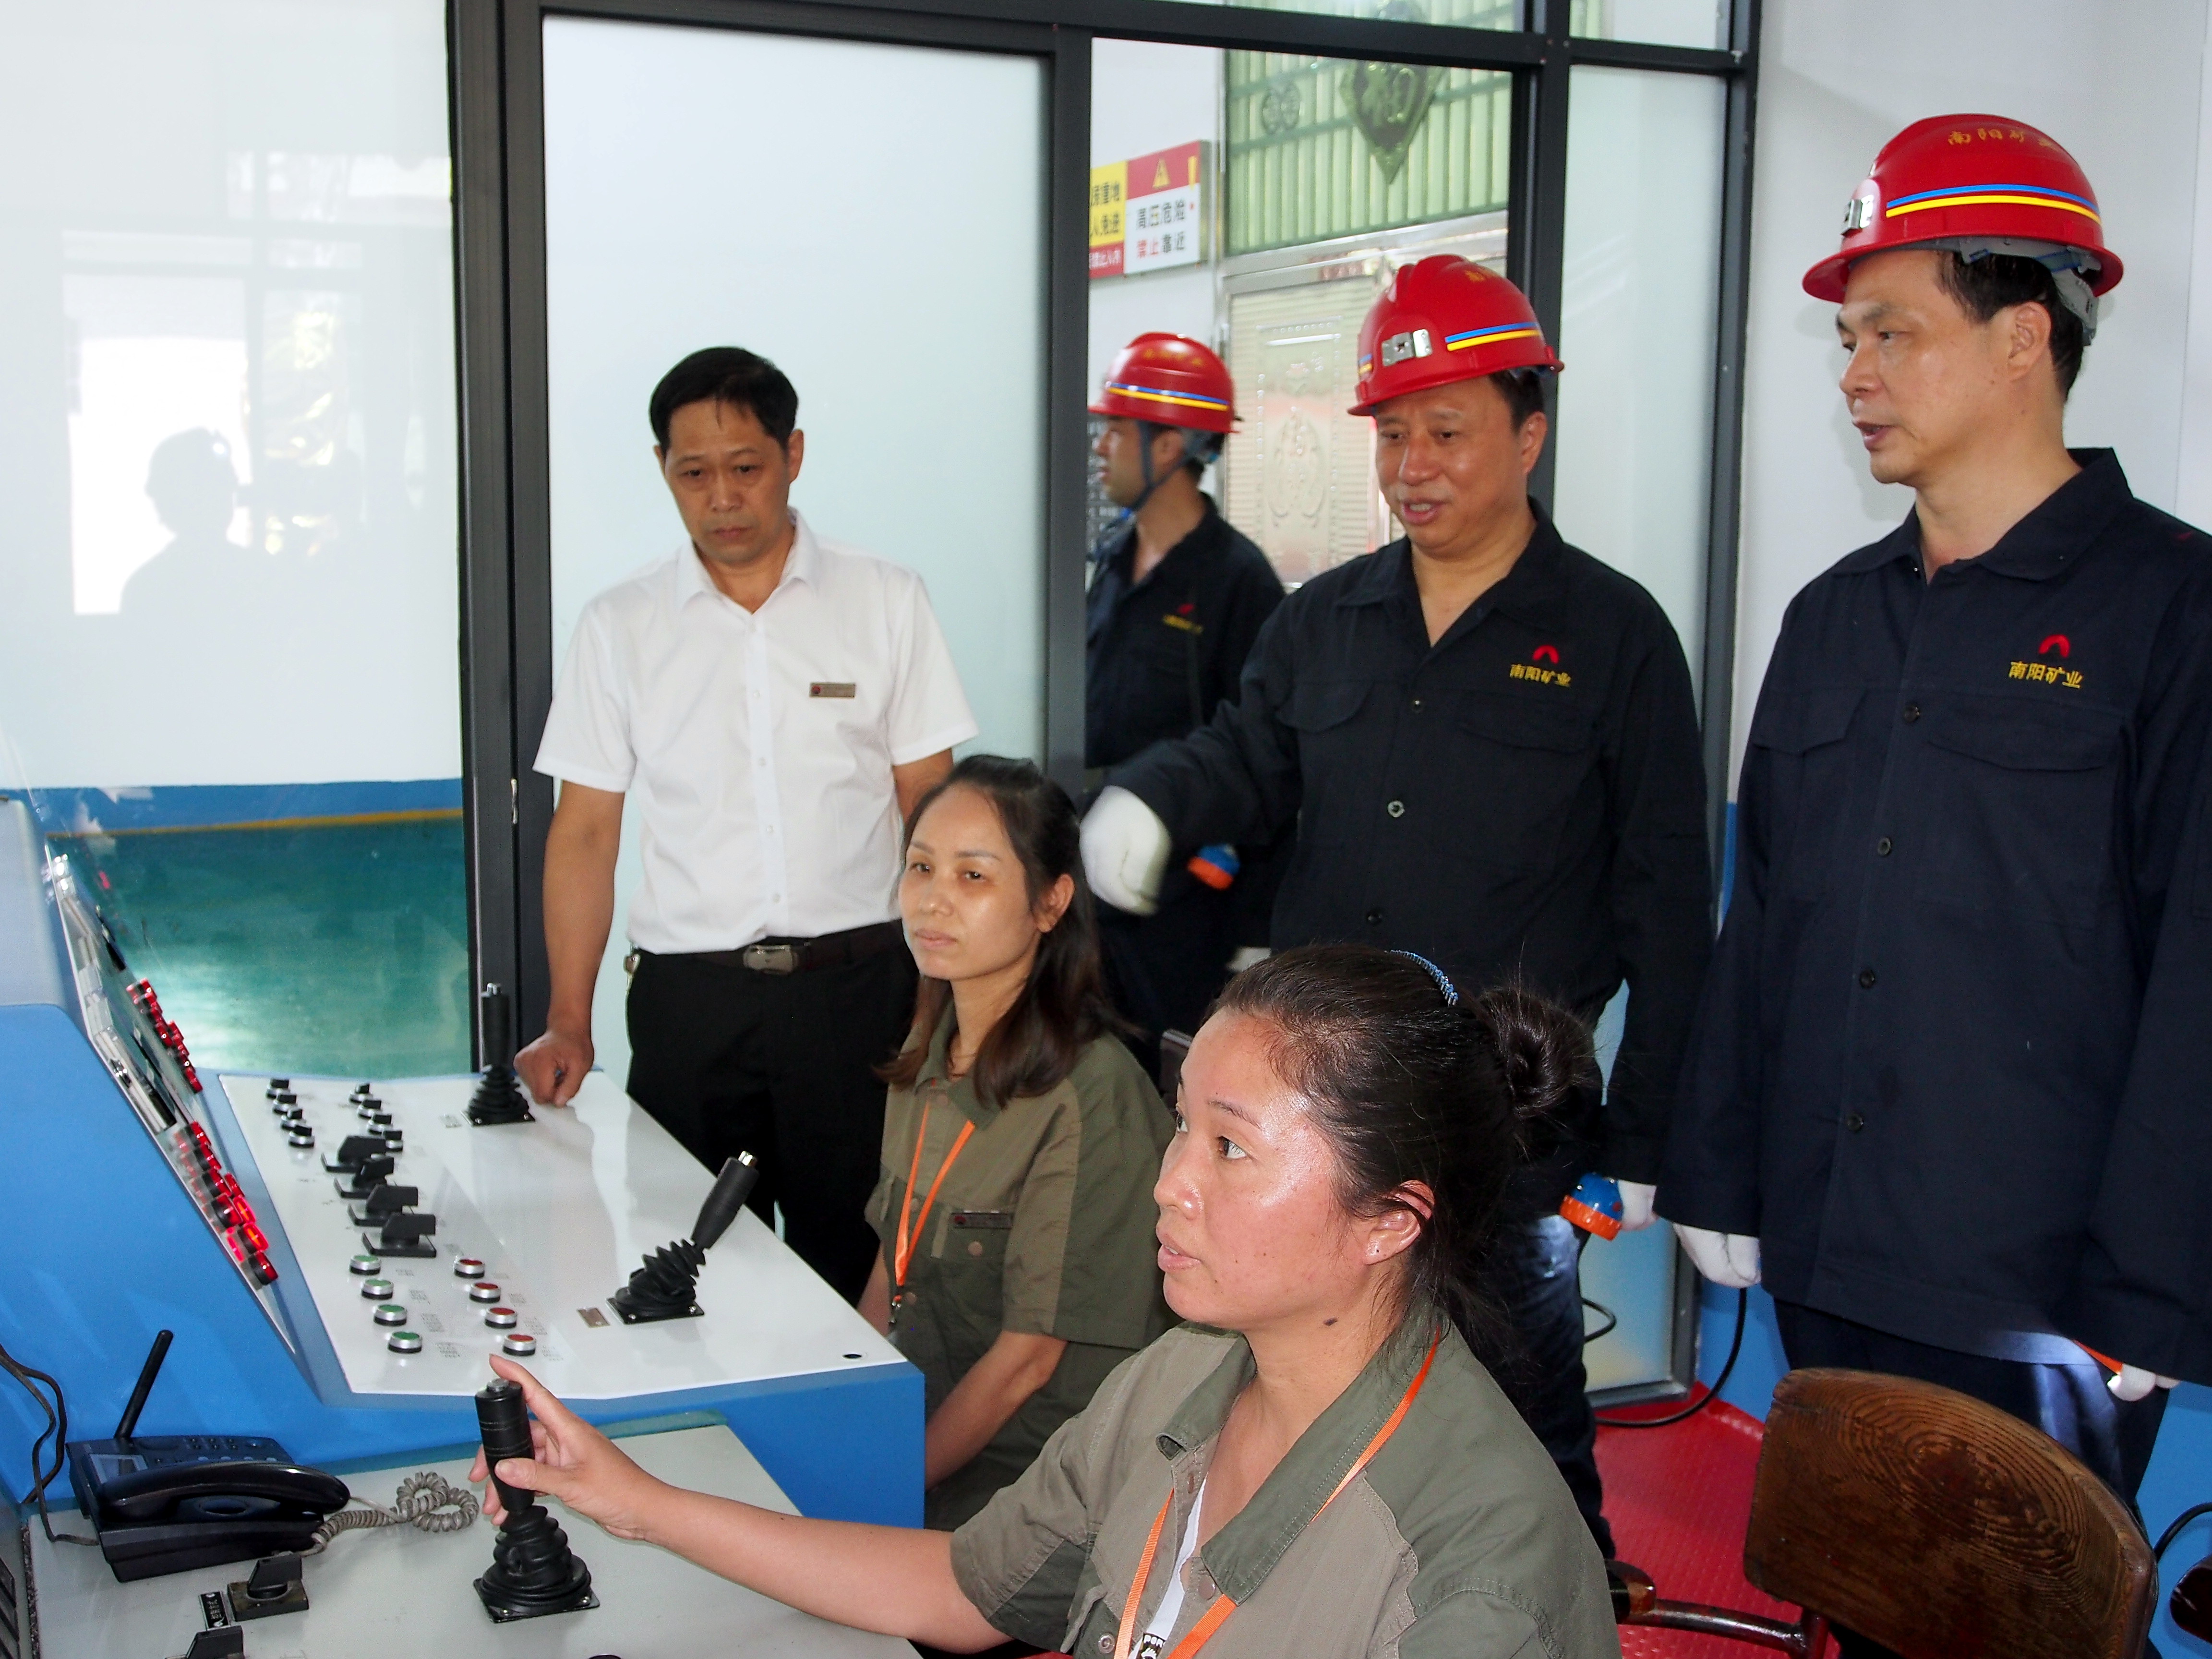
{"points": [[560, 1211], [400, 1594]]}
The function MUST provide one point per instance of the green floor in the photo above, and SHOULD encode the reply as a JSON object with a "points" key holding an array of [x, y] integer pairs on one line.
{"points": [[339, 949]]}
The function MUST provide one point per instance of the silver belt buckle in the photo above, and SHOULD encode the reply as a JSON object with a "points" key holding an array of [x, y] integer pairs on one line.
{"points": [[772, 959]]}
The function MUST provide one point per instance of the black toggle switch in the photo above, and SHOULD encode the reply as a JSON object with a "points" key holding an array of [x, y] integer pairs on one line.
{"points": [[352, 1151], [405, 1233], [276, 1587], [366, 1176], [387, 1199]]}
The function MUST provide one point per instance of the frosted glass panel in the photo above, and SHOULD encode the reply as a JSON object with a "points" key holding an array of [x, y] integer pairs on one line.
{"points": [[228, 574], [890, 260], [1638, 329]]}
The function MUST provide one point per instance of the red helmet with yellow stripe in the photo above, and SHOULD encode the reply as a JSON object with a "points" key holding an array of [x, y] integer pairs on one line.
{"points": [[1170, 379], [1974, 183], [1445, 318]]}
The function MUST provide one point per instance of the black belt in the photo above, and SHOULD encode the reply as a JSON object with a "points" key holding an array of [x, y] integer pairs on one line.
{"points": [[800, 956]]}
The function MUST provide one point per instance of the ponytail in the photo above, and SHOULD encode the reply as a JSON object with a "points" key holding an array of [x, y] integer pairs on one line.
{"points": [[1412, 1082]]}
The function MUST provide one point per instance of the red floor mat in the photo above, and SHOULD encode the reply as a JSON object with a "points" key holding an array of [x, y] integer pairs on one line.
{"points": [[1679, 1499]]}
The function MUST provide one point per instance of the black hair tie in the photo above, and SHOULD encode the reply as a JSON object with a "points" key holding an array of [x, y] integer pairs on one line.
{"points": [[1443, 980]]}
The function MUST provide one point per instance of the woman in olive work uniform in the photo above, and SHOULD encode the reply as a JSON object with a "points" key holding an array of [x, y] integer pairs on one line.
{"points": [[1020, 1140], [1316, 1464]]}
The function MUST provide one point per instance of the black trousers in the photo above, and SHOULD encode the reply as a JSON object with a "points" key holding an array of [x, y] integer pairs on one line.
{"points": [[1164, 971], [1537, 1276], [727, 1061], [2068, 1402]]}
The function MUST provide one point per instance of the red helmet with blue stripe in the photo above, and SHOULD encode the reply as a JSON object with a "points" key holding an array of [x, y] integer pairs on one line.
{"points": [[1442, 319], [1979, 181], [1170, 379]]}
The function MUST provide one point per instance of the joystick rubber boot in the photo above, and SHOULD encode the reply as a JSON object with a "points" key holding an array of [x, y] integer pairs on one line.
{"points": [[499, 1098], [667, 1286], [533, 1572]]}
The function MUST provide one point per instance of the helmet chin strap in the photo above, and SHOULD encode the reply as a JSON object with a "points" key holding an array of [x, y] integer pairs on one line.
{"points": [[1195, 447]]}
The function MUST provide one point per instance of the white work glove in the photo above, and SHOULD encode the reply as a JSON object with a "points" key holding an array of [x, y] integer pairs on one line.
{"points": [[1125, 852], [2133, 1382], [1248, 956], [1729, 1259], [1635, 1205]]}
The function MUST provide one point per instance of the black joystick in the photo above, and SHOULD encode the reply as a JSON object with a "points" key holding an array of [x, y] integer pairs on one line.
{"points": [[667, 1287], [533, 1572], [499, 1098]]}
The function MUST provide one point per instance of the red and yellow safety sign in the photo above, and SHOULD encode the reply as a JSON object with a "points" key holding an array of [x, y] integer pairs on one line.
{"points": [[1147, 213]]}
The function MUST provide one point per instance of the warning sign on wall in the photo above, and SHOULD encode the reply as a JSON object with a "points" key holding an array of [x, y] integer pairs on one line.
{"points": [[1147, 213]]}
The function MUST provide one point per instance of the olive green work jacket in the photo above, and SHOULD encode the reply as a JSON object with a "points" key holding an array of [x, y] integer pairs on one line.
{"points": [[1044, 1223], [1459, 1540]]}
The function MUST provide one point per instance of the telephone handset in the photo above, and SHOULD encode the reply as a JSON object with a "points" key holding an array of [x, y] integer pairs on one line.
{"points": [[232, 1490], [171, 1502]]}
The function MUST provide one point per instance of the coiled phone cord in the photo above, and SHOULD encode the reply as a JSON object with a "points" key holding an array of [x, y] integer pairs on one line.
{"points": [[426, 1500]]}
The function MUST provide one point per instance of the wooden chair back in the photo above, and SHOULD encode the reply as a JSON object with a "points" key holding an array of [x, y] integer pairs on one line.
{"points": [[1942, 1527]]}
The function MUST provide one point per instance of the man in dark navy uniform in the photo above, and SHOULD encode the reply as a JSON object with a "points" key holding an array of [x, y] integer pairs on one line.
{"points": [[1486, 743], [1177, 596], [1957, 819]]}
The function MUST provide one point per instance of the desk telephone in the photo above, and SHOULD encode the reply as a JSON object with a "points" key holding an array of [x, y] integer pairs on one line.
{"points": [[163, 1504]]}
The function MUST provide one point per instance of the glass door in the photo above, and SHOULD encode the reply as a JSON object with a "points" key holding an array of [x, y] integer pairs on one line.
{"points": [[871, 218]]}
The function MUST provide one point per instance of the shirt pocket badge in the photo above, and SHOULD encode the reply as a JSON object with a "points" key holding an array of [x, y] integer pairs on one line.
{"points": [[979, 1235], [846, 689]]}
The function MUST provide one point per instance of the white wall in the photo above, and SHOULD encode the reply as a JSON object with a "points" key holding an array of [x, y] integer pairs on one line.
{"points": [[2121, 84], [1143, 98]]}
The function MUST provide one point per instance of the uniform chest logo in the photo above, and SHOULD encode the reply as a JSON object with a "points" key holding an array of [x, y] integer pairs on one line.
{"points": [[1531, 669], [2045, 672]]}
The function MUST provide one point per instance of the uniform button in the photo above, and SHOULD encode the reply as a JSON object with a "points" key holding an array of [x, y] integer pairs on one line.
{"points": [[1866, 979], [1106, 1644], [1373, 917], [1882, 847], [1417, 703], [1396, 809], [975, 1247], [1912, 713], [1853, 1123]]}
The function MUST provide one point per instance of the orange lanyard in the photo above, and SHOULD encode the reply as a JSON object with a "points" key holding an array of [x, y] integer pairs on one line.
{"points": [[902, 1253], [1218, 1615]]}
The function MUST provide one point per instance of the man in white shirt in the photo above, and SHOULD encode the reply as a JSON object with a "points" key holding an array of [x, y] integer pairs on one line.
{"points": [[778, 703]]}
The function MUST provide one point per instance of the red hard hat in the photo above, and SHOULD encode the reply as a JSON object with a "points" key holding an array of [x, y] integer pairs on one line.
{"points": [[1978, 176], [1171, 380], [1444, 319]]}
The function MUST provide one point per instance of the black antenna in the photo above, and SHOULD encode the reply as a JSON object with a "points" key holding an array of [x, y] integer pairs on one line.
{"points": [[151, 1369]]}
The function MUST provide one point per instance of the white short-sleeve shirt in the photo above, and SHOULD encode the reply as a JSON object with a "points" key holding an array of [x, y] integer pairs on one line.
{"points": [[758, 746]]}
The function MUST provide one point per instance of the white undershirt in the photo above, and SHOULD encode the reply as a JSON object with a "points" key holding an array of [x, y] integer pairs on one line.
{"points": [[1171, 1608]]}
